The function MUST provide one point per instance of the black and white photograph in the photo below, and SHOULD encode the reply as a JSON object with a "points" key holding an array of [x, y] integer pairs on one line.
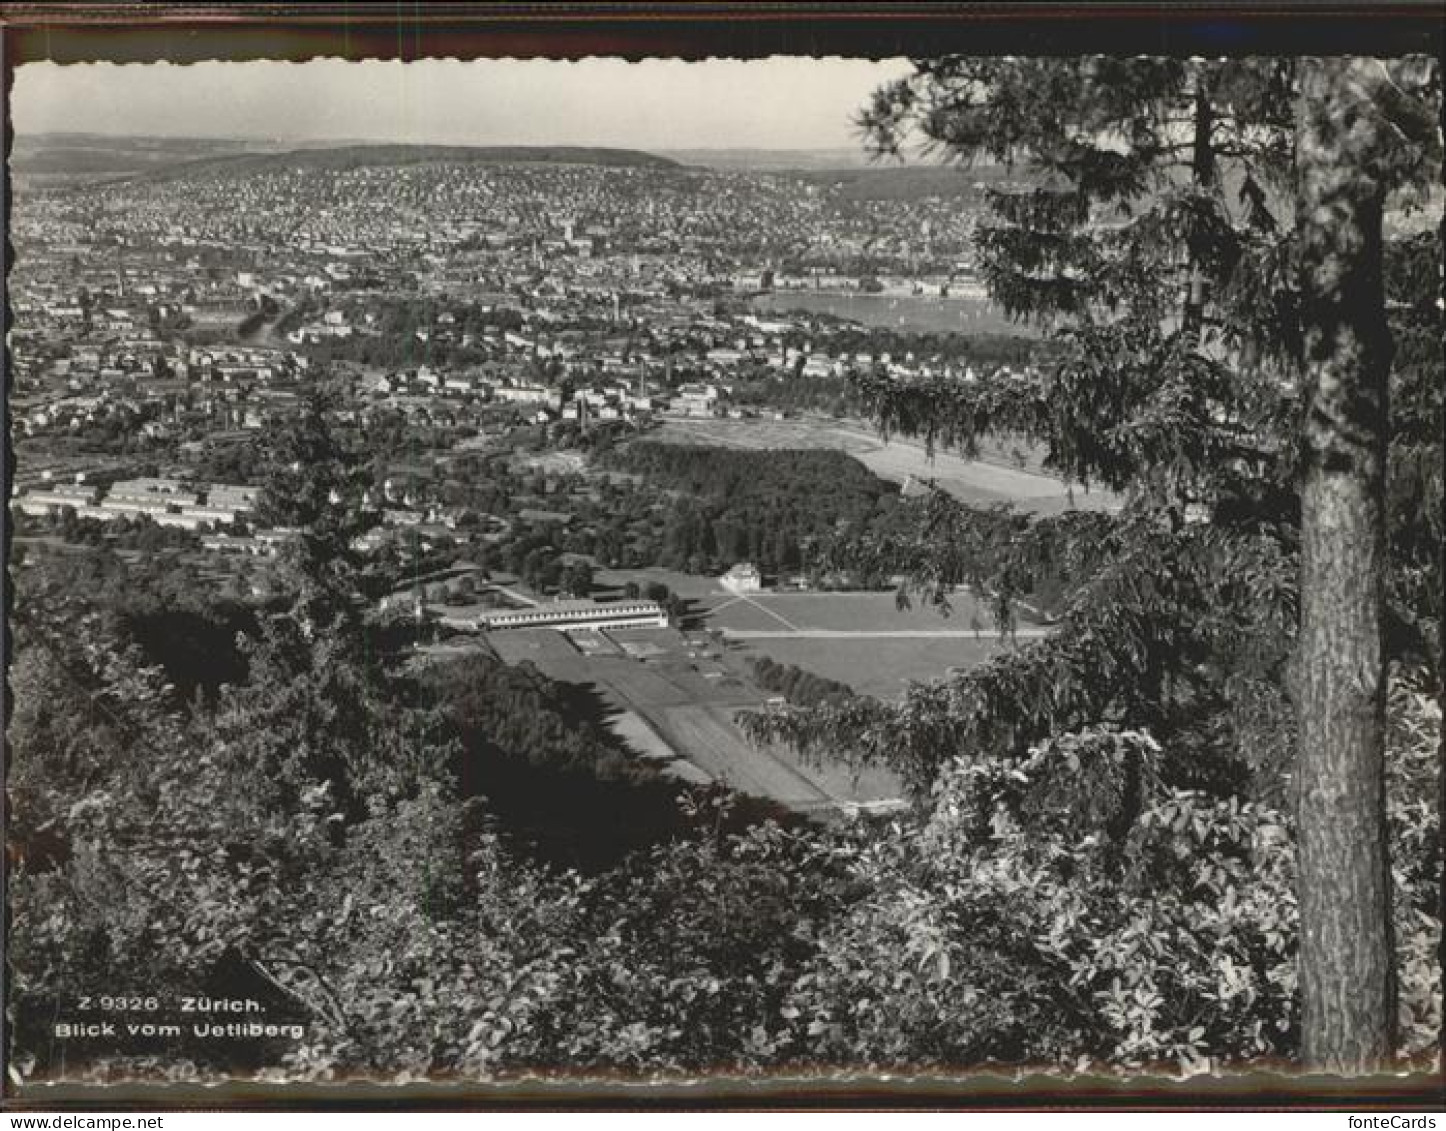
{"points": [[771, 572]]}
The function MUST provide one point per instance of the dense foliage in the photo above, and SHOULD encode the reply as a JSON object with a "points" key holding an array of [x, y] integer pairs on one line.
{"points": [[1070, 908], [1418, 419], [766, 507]]}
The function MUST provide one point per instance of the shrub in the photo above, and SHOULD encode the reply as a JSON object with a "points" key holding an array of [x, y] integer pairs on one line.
{"points": [[1070, 910]]}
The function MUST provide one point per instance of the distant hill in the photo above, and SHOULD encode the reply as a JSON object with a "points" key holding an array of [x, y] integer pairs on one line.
{"points": [[370, 156], [77, 158], [59, 155]]}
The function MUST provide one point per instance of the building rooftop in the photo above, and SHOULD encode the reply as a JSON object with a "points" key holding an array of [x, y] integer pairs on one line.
{"points": [[572, 608]]}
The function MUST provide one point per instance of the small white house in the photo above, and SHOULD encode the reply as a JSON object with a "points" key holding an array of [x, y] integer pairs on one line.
{"points": [[743, 578]]}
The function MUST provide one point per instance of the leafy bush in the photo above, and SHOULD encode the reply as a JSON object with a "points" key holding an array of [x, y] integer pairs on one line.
{"points": [[1070, 910], [1412, 807]]}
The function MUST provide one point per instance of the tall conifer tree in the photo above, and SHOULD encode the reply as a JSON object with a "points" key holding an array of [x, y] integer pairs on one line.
{"points": [[1205, 237]]}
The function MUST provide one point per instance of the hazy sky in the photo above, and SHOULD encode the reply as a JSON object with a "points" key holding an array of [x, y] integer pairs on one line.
{"points": [[777, 103]]}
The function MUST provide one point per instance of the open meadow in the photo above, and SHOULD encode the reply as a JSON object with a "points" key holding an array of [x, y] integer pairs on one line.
{"points": [[861, 639], [844, 612], [881, 667]]}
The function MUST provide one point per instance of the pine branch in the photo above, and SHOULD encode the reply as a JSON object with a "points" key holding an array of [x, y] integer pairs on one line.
{"points": [[937, 545], [951, 413], [1128, 634], [1127, 407], [1120, 634]]}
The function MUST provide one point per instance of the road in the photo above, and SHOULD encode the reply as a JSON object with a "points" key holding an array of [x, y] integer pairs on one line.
{"points": [[1024, 632]]}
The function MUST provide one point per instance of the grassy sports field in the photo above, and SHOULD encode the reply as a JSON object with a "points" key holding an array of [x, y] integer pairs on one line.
{"points": [[873, 666], [845, 612]]}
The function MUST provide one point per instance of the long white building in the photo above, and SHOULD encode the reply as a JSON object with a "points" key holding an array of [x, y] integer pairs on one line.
{"points": [[577, 614]]}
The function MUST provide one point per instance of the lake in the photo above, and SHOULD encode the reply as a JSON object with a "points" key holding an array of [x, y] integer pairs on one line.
{"points": [[897, 312]]}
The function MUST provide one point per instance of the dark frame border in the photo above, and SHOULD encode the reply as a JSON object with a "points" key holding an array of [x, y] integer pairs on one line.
{"points": [[148, 32]]}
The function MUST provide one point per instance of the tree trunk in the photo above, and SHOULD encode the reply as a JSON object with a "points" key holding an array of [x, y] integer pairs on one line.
{"points": [[1202, 172], [1347, 988]]}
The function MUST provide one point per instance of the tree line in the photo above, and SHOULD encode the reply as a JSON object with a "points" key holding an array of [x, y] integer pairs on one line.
{"points": [[769, 507], [799, 687]]}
